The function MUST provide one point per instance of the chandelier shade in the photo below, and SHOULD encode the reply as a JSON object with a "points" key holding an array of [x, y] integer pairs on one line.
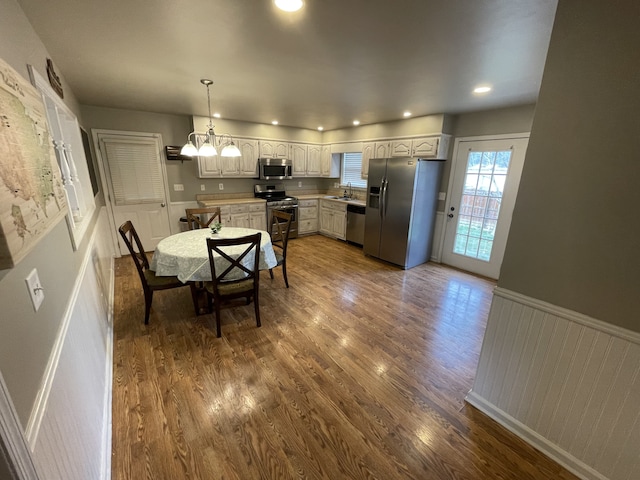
{"points": [[204, 143]]}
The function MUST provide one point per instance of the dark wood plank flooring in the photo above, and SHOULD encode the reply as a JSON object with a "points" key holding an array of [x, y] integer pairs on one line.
{"points": [[359, 371]]}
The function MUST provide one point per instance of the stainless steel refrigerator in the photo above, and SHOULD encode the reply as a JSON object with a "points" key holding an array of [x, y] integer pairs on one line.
{"points": [[402, 196]]}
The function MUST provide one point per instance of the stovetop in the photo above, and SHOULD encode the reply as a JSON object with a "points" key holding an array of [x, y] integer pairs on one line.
{"points": [[273, 193]]}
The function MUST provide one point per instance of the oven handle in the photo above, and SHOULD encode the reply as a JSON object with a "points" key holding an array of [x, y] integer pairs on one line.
{"points": [[283, 207]]}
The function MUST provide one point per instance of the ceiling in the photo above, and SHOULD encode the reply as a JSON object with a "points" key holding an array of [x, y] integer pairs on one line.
{"points": [[328, 64]]}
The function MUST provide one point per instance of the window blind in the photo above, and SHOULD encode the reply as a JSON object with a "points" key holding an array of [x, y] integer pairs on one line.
{"points": [[134, 169], [352, 170]]}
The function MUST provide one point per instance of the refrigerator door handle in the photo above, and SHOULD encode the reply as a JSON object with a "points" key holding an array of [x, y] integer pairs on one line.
{"points": [[383, 198]]}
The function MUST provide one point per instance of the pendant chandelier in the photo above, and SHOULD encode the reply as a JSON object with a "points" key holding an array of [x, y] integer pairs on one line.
{"points": [[204, 144]]}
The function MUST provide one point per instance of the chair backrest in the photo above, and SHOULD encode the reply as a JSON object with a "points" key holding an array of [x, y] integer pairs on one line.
{"points": [[195, 217], [132, 240], [216, 245], [280, 227]]}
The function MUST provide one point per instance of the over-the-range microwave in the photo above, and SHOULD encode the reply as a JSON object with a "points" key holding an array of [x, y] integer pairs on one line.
{"points": [[275, 168]]}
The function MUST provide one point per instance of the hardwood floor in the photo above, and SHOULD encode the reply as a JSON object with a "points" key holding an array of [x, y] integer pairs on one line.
{"points": [[359, 371]]}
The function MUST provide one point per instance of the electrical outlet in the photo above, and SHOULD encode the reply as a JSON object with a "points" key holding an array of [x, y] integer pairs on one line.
{"points": [[35, 289], [202, 187], [221, 186], [178, 187], [299, 184]]}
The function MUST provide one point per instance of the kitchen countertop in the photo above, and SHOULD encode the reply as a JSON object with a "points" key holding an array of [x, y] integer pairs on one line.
{"points": [[210, 202], [229, 201], [361, 203]]}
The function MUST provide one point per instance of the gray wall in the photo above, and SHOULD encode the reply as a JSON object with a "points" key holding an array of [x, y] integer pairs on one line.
{"points": [[494, 122], [575, 236], [27, 337]]}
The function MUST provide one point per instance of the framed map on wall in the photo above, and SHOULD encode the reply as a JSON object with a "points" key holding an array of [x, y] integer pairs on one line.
{"points": [[32, 197]]}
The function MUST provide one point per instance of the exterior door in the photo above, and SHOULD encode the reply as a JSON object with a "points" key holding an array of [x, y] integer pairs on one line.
{"points": [[136, 183], [483, 187]]}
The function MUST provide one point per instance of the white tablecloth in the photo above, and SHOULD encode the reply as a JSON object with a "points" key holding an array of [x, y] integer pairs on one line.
{"points": [[185, 254]]}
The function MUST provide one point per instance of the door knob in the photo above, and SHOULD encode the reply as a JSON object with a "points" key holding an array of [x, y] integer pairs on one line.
{"points": [[450, 215], [162, 205]]}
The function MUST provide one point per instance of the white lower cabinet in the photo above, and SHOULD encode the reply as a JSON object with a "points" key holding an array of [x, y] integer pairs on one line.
{"points": [[244, 215], [258, 216], [333, 219], [307, 216]]}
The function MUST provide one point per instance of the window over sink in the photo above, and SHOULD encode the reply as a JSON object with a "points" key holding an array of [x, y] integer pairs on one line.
{"points": [[351, 170]]}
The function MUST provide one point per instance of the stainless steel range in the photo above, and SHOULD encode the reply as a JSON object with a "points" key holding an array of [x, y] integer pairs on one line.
{"points": [[277, 199]]}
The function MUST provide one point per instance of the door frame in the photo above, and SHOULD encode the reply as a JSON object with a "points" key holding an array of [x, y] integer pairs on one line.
{"points": [[455, 165], [95, 132]]}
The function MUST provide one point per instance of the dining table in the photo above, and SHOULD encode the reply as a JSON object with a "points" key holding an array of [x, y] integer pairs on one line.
{"points": [[185, 255]]}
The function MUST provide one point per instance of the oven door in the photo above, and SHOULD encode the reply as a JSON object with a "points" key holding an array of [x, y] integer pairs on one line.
{"points": [[290, 209]]}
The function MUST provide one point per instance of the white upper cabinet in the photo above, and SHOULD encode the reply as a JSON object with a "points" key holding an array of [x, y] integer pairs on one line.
{"points": [[299, 157], [314, 161], [401, 148], [381, 150], [367, 154], [274, 149], [329, 162], [209, 167], [424, 147], [373, 150], [230, 166], [249, 158]]}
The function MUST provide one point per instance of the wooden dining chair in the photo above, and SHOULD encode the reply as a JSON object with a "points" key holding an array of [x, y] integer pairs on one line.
{"points": [[195, 220], [223, 287], [281, 222], [150, 282]]}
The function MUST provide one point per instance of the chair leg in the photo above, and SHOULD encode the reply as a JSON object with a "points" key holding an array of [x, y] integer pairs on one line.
{"points": [[218, 326], [194, 297], [148, 297], [284, 273], [271, 273], [257, 307]]}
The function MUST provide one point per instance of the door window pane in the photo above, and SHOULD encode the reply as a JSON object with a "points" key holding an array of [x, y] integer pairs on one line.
{"points": [[480, 207]]}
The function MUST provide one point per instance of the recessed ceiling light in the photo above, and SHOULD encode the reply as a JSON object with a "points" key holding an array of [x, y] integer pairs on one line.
{"points": [[483, 89], [216, 115], [289, 5], [275, 122], [407, 114], [320, 128], [356, 122]]}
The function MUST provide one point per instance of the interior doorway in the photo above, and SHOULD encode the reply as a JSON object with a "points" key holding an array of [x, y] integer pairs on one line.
{"points": [[135, 179]]}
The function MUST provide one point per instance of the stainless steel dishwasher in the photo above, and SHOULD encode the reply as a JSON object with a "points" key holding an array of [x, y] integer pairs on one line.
{"points": [[355, 224]]}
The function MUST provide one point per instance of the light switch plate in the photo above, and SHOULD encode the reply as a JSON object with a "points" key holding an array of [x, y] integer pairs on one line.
{"points": [[202, 187], [178, 187], [442, 195], [221, 186], [35, 289]]}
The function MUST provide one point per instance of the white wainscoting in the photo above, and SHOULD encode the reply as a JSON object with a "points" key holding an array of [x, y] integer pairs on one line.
{"points": [[564, 382], [70, 427]]}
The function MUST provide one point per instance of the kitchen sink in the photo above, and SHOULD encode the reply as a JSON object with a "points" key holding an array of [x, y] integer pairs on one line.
{"points": [[340, 198]]}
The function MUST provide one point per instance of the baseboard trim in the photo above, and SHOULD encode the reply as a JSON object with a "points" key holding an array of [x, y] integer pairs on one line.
{"points": [[570, 315], [537, 441]]}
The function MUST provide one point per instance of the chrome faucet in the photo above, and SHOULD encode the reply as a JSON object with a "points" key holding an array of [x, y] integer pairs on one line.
{"points": [[350, 190]]}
